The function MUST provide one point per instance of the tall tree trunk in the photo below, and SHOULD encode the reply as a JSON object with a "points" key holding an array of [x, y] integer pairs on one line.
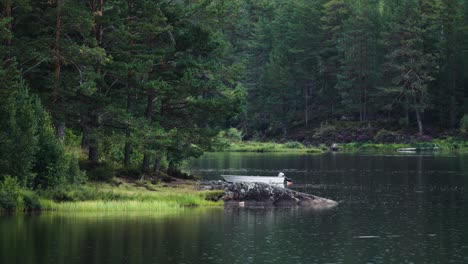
{"points": [[157, 165], [85, 136], [57, 69], [418, 116], [93, 154], [7, 13], [148, 115], [128, 147], [146, 162], [407, 109], [306, 107]]}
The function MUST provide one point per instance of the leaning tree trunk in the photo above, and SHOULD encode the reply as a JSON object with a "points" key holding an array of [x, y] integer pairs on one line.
{"points": [[418, 115], [418, 119]]}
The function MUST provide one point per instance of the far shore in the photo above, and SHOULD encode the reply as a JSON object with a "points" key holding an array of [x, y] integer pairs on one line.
{"points": [[437, 145]]}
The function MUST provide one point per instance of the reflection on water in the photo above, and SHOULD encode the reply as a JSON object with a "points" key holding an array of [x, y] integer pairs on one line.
{"points": [[410, 209]]}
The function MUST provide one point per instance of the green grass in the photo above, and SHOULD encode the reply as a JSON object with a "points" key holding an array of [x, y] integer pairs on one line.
{"points": [[128, 197], [255, 146], [452, 145], [374, 147], [449, 145], [111, 206]]}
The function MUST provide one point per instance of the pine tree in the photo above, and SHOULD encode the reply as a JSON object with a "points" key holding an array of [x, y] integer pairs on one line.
{"points": [[412, 69], [359, 69]]}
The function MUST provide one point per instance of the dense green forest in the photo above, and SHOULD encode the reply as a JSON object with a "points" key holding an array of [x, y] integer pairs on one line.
{"points": [[400, 64], [146, 84]]}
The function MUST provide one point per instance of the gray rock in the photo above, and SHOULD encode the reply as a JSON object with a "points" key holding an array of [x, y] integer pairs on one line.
{"points": [[261, 194]]}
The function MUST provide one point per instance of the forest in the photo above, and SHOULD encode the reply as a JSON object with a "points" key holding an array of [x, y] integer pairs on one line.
{"points": [[142, 85]]}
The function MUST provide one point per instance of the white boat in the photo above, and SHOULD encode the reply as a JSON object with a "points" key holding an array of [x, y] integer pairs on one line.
{"points": [[272, 180], [413, 150]]}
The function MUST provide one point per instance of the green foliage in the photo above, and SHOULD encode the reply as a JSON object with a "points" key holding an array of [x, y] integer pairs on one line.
{"points": [[126, 197], [31, 201], [268, 67], [373, 147], [52, 163], [289, 147], [226, 137], [10, 194], [451, 144], [17, 127], [214, 196]]}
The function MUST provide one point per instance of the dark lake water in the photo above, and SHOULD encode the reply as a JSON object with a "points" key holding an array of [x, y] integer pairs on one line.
{"points": [[393, 209]]}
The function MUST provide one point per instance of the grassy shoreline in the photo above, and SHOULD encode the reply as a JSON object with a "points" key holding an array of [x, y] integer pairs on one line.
{"points": [[125, 197], [288, 147], [448, 145]]}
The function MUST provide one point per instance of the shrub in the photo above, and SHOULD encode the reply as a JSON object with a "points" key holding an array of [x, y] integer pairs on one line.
{"points": [[226, 137], [214, 195], [233, 135], [10, 194], [60, 195], [31, 201]]}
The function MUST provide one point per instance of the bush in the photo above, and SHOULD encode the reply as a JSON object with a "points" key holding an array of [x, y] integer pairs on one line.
{"points": [[233, 135], [226, 137], [31, 201], [10, 194], [214, 195], [60, 195]]}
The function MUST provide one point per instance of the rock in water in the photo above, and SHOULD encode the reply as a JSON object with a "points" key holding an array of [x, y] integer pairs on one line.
{"points": [[246, 194]]}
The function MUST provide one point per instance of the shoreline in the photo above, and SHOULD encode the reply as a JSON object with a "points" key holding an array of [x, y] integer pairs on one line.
{"points": [[442, 145], [125, 196]]}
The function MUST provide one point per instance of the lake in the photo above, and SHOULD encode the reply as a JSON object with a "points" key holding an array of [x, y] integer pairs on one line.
{"points": [[393, 209]]}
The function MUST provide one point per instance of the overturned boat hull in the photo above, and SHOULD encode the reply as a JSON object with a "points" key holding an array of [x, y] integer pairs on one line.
{"points": [[271, 180]]}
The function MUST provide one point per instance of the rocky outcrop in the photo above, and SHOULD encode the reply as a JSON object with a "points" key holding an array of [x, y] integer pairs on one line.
{"points": [[261, 194]]}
